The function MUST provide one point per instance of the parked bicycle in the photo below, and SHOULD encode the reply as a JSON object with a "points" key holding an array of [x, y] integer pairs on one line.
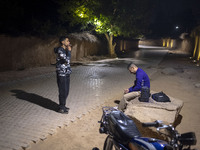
{"points": [[124, 135]]}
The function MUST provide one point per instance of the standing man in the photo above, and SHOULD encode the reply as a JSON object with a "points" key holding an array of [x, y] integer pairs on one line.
{"points": [[142, 79], [63, 72]]}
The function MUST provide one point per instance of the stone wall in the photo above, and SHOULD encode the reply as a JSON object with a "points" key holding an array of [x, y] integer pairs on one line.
{"points": [[126, 45], [151, 42], [186, 44], [18, 53]]}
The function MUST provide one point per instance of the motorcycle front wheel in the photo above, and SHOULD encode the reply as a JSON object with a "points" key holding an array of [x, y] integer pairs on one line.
{"points": [[108, 144]]}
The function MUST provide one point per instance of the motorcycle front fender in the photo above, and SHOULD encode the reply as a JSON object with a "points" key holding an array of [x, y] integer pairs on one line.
{"points": [[111, 144]]}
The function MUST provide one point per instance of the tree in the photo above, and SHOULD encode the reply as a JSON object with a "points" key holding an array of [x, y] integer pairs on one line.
{"points": [[112, 18]]}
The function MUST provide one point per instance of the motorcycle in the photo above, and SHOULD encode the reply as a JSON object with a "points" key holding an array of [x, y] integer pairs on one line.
{"points": [[124, 135]]}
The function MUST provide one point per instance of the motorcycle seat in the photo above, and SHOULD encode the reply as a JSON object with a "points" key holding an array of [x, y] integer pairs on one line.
{"points": [[122, 127]]}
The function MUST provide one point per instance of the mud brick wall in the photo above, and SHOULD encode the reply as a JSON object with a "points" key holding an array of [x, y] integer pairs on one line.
{"points": [[186, 44], [18, 53], [126, 44], [151, 42]]}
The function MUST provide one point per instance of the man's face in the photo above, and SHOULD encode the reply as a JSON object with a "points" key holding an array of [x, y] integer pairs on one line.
{"points": [[66, 42], [132, 70]]}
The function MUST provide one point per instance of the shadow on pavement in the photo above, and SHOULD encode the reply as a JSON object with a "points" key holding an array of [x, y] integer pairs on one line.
{"points": [[35, 99]]}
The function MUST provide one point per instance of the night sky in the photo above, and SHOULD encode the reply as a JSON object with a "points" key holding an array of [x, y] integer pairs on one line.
{"points": [[29, 16], [169, 14]]}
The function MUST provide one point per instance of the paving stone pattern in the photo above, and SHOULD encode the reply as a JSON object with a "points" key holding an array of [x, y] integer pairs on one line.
{"points": [[28, 107]]}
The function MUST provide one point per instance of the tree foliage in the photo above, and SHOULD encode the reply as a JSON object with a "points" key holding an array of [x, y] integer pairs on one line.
{"points": [[127, 18], [117, 17]]}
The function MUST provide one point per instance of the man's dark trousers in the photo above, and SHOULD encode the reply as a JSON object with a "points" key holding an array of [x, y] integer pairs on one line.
{"points": [[63, 89]]}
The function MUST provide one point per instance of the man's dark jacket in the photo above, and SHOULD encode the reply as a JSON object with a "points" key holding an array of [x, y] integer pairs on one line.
{"points": [[63, 61]]}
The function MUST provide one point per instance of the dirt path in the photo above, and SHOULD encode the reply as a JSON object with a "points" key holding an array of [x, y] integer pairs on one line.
{"points": [[83, 134]]}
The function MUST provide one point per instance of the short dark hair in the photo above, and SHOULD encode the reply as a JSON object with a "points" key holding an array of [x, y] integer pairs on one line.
{"points": [[131, 65], [62, 38]]}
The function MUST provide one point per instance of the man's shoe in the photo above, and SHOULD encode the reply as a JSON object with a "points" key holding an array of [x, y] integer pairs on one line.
{"points": [[66, 108], [62, 111]]}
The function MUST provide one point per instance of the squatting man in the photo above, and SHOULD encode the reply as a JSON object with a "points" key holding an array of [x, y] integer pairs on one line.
{"points": [[142, 79]]}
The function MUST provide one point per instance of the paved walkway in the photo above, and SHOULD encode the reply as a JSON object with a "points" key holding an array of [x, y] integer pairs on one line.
{"points": [[28, 107]]}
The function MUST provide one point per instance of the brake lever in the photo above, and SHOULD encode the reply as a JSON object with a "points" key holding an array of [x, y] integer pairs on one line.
{"points": [[162, 127]]}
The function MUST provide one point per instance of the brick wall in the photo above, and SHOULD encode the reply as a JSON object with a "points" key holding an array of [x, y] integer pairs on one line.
{"points": [[25, 52]]}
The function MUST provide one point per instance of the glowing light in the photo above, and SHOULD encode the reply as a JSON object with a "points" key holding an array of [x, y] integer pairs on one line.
{"points": [[81, 15], [81, 12], [172, 43], [177, 27], [168, 41], [198, 55], [98, 22], [164, 42]]}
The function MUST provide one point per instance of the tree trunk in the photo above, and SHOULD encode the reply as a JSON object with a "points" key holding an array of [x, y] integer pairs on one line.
{"points": [[111, 45]]}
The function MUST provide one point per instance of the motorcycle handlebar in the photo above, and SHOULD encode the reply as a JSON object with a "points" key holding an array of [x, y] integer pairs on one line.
{"points": [[156, 124]]}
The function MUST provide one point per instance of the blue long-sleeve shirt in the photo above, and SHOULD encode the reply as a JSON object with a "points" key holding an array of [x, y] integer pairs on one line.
{"points": [[142, 79]]}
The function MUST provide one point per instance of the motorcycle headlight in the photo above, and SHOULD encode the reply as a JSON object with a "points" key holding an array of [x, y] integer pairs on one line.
{"points": [[188, 138], [102, 130]]}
